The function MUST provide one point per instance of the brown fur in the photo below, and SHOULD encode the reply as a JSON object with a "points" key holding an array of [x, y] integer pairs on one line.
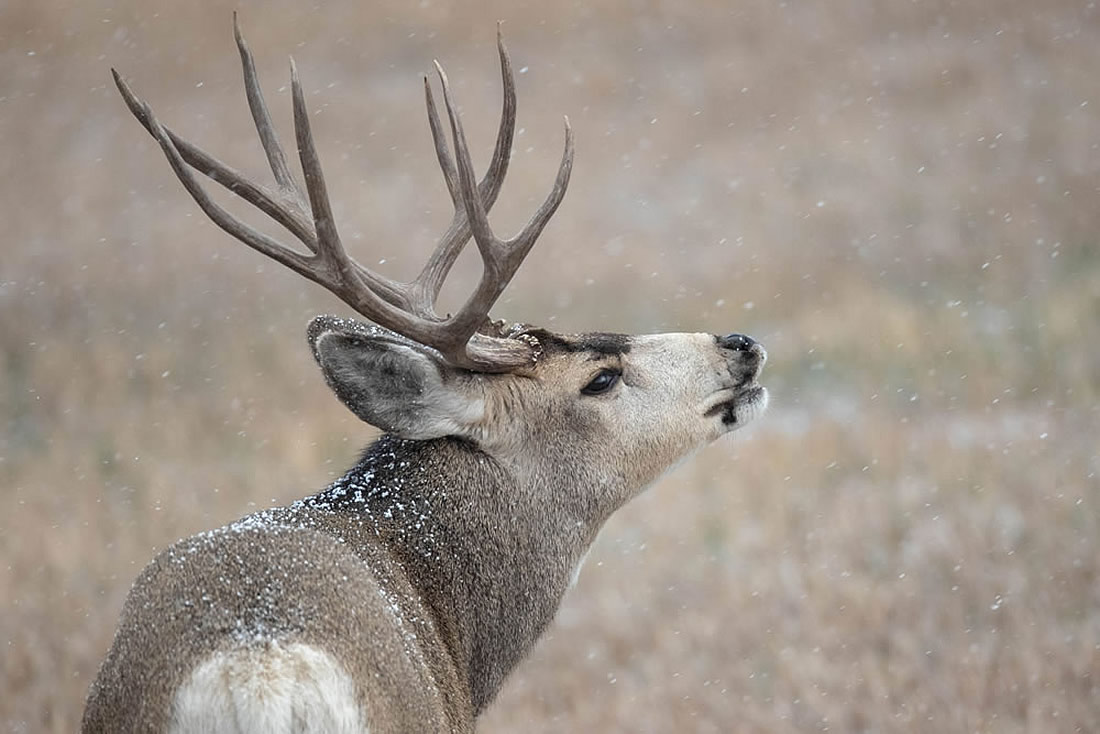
{"points": [[433, 565]]}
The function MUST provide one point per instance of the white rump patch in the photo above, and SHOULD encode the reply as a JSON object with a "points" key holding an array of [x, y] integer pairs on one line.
{"points": [[268, 689]]}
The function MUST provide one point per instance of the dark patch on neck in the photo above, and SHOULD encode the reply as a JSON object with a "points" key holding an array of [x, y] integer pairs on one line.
{"points": [[383, 478], [599, 343]]}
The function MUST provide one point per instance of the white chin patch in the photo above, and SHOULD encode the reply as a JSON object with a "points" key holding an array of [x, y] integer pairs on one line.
{"points": [[751, 407]]}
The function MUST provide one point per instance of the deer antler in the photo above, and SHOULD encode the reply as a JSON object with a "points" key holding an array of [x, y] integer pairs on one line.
{"points": [[407, 308]]}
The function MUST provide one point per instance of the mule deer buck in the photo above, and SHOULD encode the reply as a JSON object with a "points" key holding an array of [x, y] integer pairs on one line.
{"points": [[398, 598]]}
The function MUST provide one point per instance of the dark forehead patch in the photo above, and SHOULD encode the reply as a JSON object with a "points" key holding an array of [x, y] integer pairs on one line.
{"points": [[598, 343]]}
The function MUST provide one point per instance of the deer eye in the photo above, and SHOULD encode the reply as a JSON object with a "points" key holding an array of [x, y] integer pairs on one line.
{"points": [[602, 382]]}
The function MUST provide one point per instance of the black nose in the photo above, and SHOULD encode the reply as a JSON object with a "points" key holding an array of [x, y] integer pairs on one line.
{"points": [[737, 342]]}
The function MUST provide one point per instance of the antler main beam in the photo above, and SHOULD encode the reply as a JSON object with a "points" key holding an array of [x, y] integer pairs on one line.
{"points": [[407, 308]]}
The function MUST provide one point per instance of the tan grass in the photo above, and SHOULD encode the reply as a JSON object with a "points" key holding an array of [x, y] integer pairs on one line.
{"points": [[899, 199]]}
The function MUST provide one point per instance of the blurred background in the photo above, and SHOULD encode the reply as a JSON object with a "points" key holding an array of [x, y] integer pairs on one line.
{"points": [[899, 199]]}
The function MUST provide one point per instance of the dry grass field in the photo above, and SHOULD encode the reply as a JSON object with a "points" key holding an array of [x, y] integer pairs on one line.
{"points": [[900, 199]]}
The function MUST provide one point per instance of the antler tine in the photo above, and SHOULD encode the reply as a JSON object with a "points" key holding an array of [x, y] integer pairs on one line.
{"points": [[250, 236], [502, 152], [428, 284], [522, 243], [255, 194], [329, 247], [356, 285], [500, 258], [273, 149], [486, 241], [442, 152]]}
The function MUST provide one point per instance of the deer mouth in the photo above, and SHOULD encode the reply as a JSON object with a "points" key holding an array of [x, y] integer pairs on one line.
{"points": [[745, 403]]}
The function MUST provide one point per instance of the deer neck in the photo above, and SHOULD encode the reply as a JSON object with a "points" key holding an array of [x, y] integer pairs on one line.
{"points": [[490, 548]]}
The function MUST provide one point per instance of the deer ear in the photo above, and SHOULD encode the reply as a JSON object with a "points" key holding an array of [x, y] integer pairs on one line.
{"points": [[394, 383]]}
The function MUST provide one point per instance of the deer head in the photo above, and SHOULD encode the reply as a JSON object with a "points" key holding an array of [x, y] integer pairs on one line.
{"points": [[642, 402]]}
